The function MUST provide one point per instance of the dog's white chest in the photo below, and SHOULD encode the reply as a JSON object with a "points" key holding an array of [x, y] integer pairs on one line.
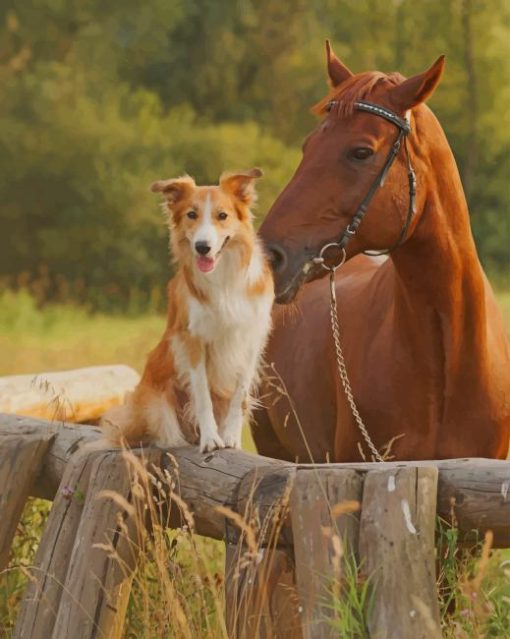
{"points": [[226, 315], [234, 329]]}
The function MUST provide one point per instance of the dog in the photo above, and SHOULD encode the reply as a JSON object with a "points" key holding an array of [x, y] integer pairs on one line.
{"points": [[204, 369]]}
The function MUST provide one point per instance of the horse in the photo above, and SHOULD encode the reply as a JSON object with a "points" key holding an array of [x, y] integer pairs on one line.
{"points": [[424, 344]]}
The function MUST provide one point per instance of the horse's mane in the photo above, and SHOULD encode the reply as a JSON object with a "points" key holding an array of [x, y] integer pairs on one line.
{"points": [[358, 87]]}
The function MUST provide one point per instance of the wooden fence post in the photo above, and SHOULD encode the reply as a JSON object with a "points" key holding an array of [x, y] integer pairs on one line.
{"points": [[78, 587], [42, 596], [260, 590], [397, 552], [20, 462], [88, 553], [324, 530], [99, 578], [260, 594]]}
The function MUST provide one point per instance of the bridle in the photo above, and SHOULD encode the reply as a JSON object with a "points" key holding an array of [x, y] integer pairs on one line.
{"points": [[404, 129], [350, 231]]}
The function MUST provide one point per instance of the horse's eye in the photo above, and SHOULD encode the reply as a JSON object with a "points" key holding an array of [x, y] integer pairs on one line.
{"points": [[362, 153], [222, 215], [192, 215]]}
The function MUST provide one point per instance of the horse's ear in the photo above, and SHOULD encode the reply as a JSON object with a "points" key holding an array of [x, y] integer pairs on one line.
{"points": [[419, 88], [241, 185], [174, 190], [337, 71]]}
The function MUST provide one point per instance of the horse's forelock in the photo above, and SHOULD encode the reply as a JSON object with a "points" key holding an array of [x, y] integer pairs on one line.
{"points": [[358, 87]]}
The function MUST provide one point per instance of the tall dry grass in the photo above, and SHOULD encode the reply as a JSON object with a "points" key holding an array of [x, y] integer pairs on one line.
{"points": [[179, 585]]}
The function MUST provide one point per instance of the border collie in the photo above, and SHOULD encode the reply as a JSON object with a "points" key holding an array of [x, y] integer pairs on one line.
{"points": [[202, 372]]}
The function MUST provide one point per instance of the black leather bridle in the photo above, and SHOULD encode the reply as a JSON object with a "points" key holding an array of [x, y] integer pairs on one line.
{"points": [[404, 129]]}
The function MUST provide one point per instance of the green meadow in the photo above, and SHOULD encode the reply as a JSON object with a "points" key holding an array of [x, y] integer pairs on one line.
{"points": [[182, 576]]}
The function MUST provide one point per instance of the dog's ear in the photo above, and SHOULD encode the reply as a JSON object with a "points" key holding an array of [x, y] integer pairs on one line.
{"points": [[241, 185], [174, 190]]}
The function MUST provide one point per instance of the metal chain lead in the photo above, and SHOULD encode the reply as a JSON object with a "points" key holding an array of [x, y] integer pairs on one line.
{"points": [[342, 370]]}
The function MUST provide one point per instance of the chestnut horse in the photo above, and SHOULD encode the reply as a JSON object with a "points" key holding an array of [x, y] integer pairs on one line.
{"points": [[424, 343]]}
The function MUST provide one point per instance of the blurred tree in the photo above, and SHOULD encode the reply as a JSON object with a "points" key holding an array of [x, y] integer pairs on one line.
{"points": [[97, 99]]}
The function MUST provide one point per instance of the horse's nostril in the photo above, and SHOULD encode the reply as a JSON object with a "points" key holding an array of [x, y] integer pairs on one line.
{"points": [[277, 257]]}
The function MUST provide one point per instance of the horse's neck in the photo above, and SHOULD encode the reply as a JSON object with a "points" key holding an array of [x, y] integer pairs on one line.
{"points": [[441, 286]]}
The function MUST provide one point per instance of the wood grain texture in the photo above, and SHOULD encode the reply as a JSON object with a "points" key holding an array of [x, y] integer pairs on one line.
{"points": [[21, 458], [323, 536], [215, 479], [69, 439], [474, 495], [42, 597], [77, 584], [397, 552], [480, 488], [65, 440], [261, 599], [105, 552]]}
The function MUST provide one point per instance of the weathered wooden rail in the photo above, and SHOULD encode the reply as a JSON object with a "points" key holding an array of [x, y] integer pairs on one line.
{"points": [[79, 590]]}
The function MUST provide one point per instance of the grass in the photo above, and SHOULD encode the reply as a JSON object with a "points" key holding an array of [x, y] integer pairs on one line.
{"points": [[62, 336], [474, 587], [179, 588], [350, 601]]}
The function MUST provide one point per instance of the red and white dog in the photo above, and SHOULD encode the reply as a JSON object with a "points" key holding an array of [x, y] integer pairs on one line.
{"points": [[219, 317]]}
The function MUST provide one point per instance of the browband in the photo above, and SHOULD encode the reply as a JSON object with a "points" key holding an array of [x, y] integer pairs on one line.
{"points": [[376, 109]]}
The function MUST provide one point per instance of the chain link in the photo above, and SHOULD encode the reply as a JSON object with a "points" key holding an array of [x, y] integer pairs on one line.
{"points": [[342, 370]]}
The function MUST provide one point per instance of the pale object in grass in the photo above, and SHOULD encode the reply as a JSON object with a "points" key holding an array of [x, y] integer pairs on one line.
{"points": [[78, 395]]}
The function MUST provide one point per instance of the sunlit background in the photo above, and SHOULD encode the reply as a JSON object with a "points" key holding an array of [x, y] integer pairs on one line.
{"points": [[98, 99]]}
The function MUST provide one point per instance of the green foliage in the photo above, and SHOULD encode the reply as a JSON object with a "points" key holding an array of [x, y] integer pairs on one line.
{"points": [[98, 99], [14, 578], [81, 206], [351, 601], [473, 586], [64, 336]]}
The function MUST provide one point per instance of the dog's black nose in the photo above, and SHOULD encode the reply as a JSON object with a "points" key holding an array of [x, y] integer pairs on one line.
{"points": [[202, 248]]}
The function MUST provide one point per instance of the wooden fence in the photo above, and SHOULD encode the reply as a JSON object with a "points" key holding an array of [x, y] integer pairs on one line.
{"points": [[80, 591]]}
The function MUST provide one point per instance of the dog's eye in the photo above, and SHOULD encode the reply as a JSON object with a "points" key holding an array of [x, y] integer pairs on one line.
{"points": [[222, 215], [361, 153], [192, 215]]}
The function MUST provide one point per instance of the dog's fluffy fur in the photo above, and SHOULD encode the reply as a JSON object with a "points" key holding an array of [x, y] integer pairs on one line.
{"points": [[219, 315]]}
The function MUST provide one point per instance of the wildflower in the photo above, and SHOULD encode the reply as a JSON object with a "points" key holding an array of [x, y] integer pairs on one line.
{"points": [[67, 492]]}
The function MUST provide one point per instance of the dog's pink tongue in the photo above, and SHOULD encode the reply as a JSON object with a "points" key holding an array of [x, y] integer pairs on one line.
{"points": [[205, 264]]}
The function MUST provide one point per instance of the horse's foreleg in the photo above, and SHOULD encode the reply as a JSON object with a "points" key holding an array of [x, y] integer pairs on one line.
{"points": [[265, 437]]}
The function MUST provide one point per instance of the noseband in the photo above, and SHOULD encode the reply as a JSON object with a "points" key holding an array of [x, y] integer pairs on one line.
{"points": [[404, 129]]}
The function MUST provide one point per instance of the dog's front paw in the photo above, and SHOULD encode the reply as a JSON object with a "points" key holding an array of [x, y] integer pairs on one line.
{"points": [[232, 440], [211, 442]]}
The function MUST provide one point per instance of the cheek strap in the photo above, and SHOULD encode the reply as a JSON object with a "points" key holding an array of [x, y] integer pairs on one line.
{"points": [[404, 129]]}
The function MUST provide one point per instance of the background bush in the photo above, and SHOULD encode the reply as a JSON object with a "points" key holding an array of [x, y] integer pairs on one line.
{"points": [[100, 98]]}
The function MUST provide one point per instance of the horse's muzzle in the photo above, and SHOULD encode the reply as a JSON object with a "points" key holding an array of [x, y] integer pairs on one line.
{"points": [[289, 272], [277, 258], [285, 275]]}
